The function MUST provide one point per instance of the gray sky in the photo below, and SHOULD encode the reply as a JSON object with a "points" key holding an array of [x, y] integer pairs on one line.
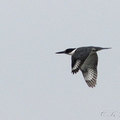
{"points": [[37, 84]]}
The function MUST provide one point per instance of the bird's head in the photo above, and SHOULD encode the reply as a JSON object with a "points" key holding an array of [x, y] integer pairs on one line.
{"points": [[69, 51]]}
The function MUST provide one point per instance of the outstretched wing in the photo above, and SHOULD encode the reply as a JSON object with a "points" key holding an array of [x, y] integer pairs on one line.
{"points": [[89, 69], [75, 65], [78, 58], [90, 77]]}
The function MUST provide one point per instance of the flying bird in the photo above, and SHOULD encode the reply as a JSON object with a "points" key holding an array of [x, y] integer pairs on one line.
{"points": [[84, 59]]}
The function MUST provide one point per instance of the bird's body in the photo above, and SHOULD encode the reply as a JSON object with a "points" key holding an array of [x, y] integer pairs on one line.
{"points": [[86, 60]]}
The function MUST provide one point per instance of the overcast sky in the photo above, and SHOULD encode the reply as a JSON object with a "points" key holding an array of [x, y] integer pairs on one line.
{"points": [[37, 84]]}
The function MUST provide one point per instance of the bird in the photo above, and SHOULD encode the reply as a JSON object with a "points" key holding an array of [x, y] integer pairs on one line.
{"points": [[84, 59]]}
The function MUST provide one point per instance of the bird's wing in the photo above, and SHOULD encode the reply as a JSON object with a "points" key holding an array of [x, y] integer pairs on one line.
{"points": [[75, 65], [89, 69], [90, 77], [77, 59]]}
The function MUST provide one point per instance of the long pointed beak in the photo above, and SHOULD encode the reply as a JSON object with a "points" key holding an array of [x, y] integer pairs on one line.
{"points": [[61, 52]]}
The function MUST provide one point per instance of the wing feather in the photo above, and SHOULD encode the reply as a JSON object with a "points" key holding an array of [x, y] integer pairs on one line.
{"points": [[90, 77], [76, 66], [89, 69]]}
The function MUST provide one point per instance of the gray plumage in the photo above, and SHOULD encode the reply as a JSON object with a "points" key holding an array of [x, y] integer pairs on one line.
{"points": [[86, 60]]}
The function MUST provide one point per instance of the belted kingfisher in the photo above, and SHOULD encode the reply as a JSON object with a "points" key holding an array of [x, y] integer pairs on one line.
{"points": [[86, 60]]}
